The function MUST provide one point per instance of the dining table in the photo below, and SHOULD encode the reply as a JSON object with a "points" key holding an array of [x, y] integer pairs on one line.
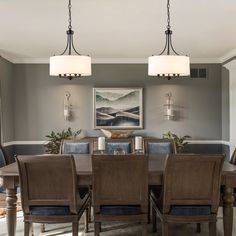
{"points": [[10, 178]]}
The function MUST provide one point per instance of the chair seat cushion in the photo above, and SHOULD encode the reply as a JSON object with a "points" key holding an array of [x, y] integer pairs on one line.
{"points": [[190, 210], [120, 210], [49, 210]]}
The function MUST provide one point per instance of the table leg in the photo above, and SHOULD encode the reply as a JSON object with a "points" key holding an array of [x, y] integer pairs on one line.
{"points": [[228, 210], [11, 211]]}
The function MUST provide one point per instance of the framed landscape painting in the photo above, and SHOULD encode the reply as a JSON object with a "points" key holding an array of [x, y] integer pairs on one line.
{"points": [[118, 108]]}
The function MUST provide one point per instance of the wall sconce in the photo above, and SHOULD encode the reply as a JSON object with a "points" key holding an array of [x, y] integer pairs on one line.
{"points": [[169, 107], [67, 107]]}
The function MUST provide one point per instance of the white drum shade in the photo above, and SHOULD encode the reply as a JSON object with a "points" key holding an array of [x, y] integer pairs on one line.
{"points": [[168, 65], [70, 65]]}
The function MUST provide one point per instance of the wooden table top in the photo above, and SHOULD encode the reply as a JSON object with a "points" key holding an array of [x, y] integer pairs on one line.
{"points": [[84, 165]]}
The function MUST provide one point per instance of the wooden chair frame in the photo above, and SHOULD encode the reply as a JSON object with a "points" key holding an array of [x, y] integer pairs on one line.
{"points": [[114, 172], [37, 169], [182, 186]]}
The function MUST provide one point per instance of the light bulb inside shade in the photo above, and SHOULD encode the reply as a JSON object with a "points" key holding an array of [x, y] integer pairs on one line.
{"points": [[168, 65], [70, 65]]}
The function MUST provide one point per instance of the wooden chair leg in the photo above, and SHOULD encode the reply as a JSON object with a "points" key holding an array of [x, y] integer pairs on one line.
{"points": [[26, 229], [86, 220], [154, 220], [198, 230], [97, 227], [164, 229], [144, 229], [42, 228], [212, 228], [75, 229]]}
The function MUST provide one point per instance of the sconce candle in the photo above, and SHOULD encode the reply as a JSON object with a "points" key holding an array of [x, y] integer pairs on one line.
{"points": [[138, 143], [101, 144]]}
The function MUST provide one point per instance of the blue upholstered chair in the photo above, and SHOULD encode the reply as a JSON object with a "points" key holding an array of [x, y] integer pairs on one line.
{"points": [[3, 162], [159, 146], [75, 146], [48, 191], [191, 191], [113, 145], [119, 194]]}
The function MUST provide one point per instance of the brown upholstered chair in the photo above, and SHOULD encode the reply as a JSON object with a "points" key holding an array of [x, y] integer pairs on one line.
{"points": [[191, 191], [48, 191], [120, 189], [159, 146]]}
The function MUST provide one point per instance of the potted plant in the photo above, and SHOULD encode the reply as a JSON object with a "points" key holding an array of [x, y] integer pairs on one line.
{"points": [[180, 142], [53, 146]]}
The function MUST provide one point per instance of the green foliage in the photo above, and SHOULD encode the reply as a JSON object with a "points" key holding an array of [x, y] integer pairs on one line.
{"points": [[53, 146], [180, 142]]}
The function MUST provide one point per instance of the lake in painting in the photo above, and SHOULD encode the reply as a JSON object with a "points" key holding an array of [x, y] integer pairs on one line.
{"points": [[118, 108]]}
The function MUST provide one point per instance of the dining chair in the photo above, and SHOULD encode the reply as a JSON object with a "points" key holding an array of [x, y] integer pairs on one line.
{"points": [[159, 146], [119, 194], [155, 146], [191, 192], [49, 191], [113, 145], [76, 146], [3, 162]]}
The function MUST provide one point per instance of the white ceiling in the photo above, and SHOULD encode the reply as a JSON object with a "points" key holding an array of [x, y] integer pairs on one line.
{"points": [[117, 30]]}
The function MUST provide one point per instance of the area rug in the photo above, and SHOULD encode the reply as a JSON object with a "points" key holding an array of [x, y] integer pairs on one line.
{"points": [[3, 204]]}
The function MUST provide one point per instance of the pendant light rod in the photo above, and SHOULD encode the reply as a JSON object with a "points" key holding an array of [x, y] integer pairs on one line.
{"points": [[168, 44], [70, 33], [70, 63]]}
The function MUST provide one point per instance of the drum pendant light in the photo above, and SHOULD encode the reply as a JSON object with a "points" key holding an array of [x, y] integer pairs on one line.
{"points": [[70, 64], [168, 63]]}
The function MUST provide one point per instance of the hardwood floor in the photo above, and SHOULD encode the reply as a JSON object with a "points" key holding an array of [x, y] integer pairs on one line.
{"points": [[118, 229]]}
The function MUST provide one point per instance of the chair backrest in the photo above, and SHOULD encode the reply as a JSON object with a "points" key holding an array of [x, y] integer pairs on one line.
{"points": [[192, 180], [233, 158], [76, 146], [159, 146], [48, 181], [120, 180], [125, 144], [3, 160]]}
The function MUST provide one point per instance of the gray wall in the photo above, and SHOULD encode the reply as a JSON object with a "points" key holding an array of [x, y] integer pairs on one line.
{"points": [[7, 93], [225, 104], [38, 100]]}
